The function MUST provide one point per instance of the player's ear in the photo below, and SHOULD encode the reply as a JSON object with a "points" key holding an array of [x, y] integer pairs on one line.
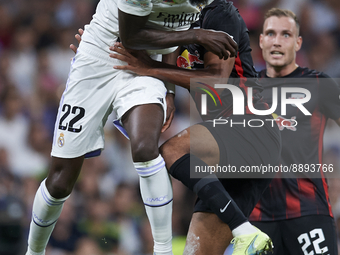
{"points": [[298, 43], [261, 41]]}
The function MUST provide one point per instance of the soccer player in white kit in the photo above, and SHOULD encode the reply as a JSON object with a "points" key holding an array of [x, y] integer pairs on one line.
{"points": [[94, 89]]}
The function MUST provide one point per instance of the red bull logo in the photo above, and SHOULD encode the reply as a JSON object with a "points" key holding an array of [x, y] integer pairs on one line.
{"points": [[187, 60], [282, 122]]}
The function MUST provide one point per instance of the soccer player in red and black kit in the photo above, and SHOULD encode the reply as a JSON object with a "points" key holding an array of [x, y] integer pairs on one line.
{"points": [[224, 145], [296, 212]]}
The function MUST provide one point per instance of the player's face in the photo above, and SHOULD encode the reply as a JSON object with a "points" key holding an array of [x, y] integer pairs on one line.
{"points": [[280, 42]]}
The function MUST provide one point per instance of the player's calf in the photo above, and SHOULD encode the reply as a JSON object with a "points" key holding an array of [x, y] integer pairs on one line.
{"points": [[156, 191], [45, 213]]}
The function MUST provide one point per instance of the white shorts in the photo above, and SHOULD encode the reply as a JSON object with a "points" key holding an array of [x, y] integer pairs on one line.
{"points": [[93, 90]]}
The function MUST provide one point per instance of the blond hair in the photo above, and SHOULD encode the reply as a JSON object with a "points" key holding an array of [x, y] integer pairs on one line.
{"points": [[277, 12]]}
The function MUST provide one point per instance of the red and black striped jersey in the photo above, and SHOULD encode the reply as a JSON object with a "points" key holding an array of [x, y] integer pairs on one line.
{"points": [[302, 143], [223, 16]]}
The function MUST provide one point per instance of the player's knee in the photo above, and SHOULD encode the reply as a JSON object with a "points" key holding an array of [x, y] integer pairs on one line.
{"points": [[60, 181], [144, 151], [171, 151], [62, 176], [166, 151], [58, 188]]}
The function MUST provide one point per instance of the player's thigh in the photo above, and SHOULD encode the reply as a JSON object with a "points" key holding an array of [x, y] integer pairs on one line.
{"points": [[141, 109], [143, 125], [207, 235], [144, 122], [140, 91], [314, 234], [84, 108]]}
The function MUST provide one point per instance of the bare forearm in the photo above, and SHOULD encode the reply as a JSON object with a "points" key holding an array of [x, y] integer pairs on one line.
{"points": [[180, 76], [142, 64], [151, 39]]}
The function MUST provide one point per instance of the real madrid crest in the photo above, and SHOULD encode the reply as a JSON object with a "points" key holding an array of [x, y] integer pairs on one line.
{"points": [[61, 140]]}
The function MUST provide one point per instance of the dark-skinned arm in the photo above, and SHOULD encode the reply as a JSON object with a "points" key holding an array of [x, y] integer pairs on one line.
{"points": [[214, 68], [142, 64], [134, 35]]}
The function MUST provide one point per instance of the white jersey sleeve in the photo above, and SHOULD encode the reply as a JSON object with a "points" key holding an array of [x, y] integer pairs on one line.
{"points": [[166, 15], [135, 7]]}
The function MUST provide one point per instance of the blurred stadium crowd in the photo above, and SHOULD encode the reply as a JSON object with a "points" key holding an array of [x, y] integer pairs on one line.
{"points": [[104, 214]]}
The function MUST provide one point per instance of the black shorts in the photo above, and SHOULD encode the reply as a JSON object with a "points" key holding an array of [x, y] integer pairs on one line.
{"points": [[245, 146], [304, 235]]}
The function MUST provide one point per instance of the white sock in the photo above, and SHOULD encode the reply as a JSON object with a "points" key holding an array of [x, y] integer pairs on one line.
{"points": [[244, 229], [45, 213], [156, 191]]}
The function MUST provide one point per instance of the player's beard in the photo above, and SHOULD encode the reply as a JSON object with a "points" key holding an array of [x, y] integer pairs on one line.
{"points": [[198, 2]]}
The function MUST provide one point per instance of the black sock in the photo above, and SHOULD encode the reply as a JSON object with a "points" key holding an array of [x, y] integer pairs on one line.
{"points": [[209, 189]]}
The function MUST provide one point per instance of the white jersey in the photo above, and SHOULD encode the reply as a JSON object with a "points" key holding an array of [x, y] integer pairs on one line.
{"points": [[94, 88], [169, 15]]}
